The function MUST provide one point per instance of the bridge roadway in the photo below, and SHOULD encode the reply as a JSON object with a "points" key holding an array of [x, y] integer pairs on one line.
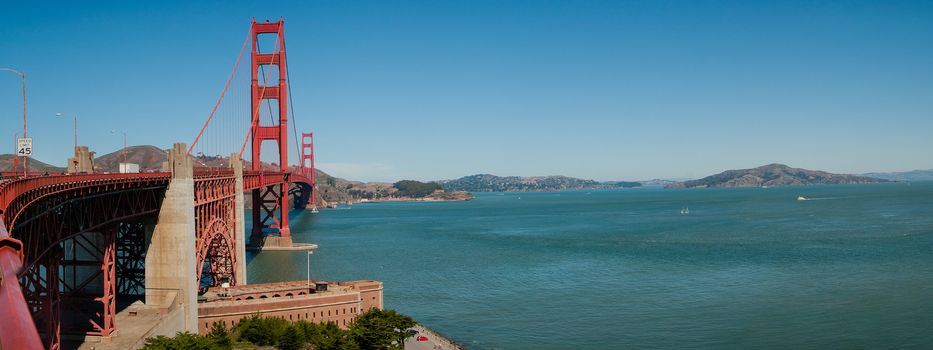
{"points": [[39, 212]]}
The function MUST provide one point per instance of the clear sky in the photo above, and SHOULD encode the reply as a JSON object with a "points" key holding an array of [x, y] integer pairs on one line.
{"points": [[609, 90]]}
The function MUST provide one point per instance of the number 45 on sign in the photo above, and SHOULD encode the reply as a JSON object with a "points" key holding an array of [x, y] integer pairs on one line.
{"points": [[24, 147]]}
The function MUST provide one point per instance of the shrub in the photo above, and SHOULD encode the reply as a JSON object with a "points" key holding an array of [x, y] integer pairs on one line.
{"points": [[262, 331], [374, 329], [220, 337], [416, 189], [326, 336], [381, 329], [181, 341], [290, 340]]}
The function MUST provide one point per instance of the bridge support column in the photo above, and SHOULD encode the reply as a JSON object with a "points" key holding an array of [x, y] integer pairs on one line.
{"points": [[83, 161], [170, 259], [239, 212]]}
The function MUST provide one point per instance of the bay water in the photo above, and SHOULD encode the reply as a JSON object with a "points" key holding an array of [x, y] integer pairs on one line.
{"points": [[852, 267]]}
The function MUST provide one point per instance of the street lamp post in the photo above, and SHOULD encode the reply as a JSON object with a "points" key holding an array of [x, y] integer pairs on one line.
{"points": [[75, 116], [124, 144], [309, 270], [22, 75]]}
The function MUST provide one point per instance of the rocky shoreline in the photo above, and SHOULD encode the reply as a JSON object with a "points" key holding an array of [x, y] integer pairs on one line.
{"points": [[435, 341]]}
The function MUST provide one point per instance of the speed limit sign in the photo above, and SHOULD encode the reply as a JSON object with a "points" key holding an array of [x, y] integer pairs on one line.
{"points": [[24, 147]]}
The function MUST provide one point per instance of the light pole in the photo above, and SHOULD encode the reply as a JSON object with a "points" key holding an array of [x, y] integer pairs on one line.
{"points": [[124, 144], [23, 76], [309, 270], [75, 116]]}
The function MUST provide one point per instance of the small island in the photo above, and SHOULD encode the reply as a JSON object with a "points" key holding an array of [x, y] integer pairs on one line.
{"points": [[493, 183], [773, 175]]}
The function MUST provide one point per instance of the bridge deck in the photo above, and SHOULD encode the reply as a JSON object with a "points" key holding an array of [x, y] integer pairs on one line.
{"points": [[18, 191]]}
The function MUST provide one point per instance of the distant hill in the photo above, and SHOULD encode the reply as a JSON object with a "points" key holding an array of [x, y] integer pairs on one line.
{"points": [[331, 189], [773, 175], [335, 189], [913, 175], [493, 183], [148, 157], [6, 164], [657, 182]]}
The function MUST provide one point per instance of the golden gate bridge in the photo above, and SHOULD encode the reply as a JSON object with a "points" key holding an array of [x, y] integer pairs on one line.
{"points": [[73, 245]]}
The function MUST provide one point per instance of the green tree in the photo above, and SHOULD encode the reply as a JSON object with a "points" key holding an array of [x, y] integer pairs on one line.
{"points": [[181, 341], [381, 329], [416, 189], [262, 331], [220, 337], [291, 340], [326, 336]]}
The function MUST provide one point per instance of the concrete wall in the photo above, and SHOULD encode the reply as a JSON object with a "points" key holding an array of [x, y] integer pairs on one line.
{"points": [[370, 293], [341, 303], [82, 162], [240, 230], [341, 309], [171, 256]]}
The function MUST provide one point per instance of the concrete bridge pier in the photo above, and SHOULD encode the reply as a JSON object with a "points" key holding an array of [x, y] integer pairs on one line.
{"points": [[240, 212], [82, 162], [171, 257]]}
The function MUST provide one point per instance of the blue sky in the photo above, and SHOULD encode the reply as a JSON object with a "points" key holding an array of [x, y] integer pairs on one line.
{"points": [[427, 90]]}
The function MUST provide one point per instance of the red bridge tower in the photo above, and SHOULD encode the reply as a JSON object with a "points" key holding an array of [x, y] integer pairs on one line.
{"points": [[269, 200], [307, 162]]}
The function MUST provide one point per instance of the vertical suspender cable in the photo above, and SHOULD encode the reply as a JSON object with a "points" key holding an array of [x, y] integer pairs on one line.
{"points": [[222, 93], [255, 123]]}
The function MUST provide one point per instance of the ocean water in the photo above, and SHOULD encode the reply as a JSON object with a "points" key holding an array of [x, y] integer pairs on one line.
{"points": [[623, 269]]}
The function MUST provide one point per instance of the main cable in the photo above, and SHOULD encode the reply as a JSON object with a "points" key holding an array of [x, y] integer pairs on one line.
{"points": [[222, 93], [291, 111]]}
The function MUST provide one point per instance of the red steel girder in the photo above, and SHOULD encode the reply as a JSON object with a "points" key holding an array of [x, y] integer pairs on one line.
{"points": [[261, 92], [16, 320]]}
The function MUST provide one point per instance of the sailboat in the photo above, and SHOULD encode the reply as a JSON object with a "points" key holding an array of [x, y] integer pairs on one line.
{"points": [[685, 211], [314, 209]]}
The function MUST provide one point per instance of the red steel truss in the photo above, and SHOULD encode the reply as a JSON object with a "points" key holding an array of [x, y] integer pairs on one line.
{"points": [[307, 162], [131, 259], [94, 225], [69, 223], [278, 131], [215, 222]]}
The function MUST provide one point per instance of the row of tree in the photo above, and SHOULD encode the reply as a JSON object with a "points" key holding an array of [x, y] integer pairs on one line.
{"points": [[416, 189], [374, 329]]}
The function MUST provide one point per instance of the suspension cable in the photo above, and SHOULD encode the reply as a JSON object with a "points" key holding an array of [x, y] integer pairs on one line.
{"points": [[222, 93], [291, 110], [262, 94]]}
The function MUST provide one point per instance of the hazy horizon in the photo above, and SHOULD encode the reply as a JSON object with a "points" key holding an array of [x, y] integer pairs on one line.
{"points": [[339, 174], [439, 90]]}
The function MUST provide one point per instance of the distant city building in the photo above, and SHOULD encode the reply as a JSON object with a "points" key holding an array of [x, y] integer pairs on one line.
{"points": [[126, 168], [319, 302]]}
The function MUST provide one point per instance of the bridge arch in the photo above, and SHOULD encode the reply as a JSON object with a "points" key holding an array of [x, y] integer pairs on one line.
{"points": [[216, 254]]}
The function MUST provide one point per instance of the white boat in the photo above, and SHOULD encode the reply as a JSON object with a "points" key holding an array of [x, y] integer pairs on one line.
{"points": [[801, 198], [685, 211]]}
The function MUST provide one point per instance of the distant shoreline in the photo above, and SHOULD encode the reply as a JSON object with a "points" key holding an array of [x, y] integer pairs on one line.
{"points": [[403, 200]]}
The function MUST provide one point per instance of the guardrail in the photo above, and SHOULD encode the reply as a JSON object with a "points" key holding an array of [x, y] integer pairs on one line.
{"points": [[18, 329]]}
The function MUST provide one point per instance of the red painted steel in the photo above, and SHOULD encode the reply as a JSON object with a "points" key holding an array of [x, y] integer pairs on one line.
{"points": [[43, 224], [222, 93], [16, 195], [214, 204], [215, 221], [17, 330], [307, 156], [276, 132], [45, 210]]}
